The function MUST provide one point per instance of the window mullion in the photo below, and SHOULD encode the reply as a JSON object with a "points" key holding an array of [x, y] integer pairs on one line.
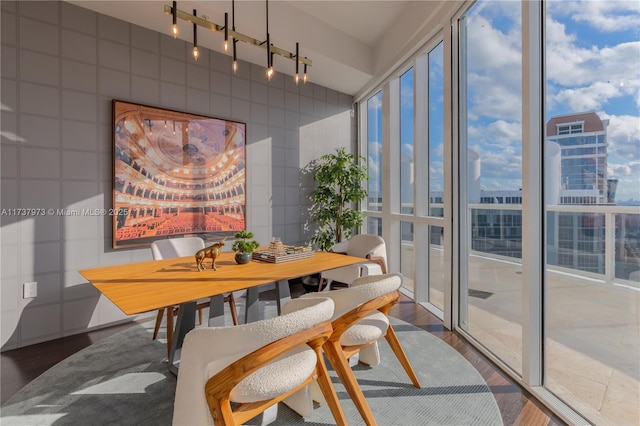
{"points": [[533, 240]]}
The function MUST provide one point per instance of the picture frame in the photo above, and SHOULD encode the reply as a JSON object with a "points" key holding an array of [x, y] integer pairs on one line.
{"points": [[175, 173]]}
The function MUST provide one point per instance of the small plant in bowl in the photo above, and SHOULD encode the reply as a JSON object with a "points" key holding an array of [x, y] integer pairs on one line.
{"points": [[244, 246]]}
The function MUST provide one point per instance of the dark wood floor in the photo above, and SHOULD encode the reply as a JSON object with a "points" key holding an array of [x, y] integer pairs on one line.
{"points": [[19, 366]]}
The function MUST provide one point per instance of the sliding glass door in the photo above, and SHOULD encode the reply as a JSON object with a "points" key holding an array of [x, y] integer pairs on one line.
{"points": [[592, 175], [491, 176]]}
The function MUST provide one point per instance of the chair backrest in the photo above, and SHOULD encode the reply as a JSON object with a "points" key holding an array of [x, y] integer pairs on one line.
{"points": [[362, 290], [176, 247], [203, 355], [363, 244]]}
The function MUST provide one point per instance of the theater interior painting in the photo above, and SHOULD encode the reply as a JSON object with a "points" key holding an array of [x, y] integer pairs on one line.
{"points": [[174, 174]]}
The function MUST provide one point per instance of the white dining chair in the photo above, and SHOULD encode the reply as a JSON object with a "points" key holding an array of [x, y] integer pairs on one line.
{"points": [[361, 319], [228, 375], [180, 247], [371, 248]]}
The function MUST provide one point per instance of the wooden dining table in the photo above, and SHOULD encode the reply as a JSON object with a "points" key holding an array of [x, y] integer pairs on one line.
{"points": [[141, 287]]}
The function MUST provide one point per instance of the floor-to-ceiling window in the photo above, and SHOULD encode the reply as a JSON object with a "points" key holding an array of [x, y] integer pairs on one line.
{"points": [[407, 176], [435, 161], [592, 183], [372, 122], [491, 146], [413, 221], [565, 322]]}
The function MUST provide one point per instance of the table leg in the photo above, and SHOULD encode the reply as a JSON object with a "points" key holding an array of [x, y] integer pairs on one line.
{"points": [[216, 311], [252, 308], [186, 322], [284, 294]]}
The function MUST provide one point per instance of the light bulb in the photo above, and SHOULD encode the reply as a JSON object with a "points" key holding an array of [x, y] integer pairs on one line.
{"points": [[196, 53], [297, 78], [235, 66], [226, 46], [269, 73], [174, 30], [304, 78]]}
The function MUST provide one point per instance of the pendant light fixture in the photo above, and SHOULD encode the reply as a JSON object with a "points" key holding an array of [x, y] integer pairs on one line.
{"points": [[234, 65], [226, 32], [269, 55], [196, 52], [174, 13], [237, 36]]}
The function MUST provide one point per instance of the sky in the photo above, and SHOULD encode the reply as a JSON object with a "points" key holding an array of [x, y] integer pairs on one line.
{"points": [[592, 64]]}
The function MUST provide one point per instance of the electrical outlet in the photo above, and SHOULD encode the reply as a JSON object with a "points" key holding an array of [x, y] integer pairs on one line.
{"points": [[30, 290]]}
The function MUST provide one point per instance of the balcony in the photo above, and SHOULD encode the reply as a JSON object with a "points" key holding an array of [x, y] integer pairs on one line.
{"points": [[591, 319]]}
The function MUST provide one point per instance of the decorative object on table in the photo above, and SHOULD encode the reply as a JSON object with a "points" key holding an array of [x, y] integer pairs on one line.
{"points": [[281, 253], [276, 246], [339, 177], [182, 247], [165, 158], [212, 252], [244, 248]]}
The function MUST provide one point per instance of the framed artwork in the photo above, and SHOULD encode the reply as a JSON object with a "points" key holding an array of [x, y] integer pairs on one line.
{"points": [[175, 173]]}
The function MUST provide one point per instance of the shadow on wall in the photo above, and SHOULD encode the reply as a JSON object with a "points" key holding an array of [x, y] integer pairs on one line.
{"points": [[64, 303]]}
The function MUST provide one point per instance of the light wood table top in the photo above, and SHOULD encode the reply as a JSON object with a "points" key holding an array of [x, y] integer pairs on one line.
{"points": [[147, 286]]}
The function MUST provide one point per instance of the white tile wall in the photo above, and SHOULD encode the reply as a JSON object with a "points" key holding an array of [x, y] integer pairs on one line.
{"points": [[57, 149]]}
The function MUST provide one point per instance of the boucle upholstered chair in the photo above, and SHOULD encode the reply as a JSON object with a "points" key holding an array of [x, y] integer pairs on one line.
{"points": [[256, 365], [180, 247], [359, 321], [370, 247]]}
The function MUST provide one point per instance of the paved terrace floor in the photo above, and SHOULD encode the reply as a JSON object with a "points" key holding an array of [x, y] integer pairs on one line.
{"points": [[592, 334]]}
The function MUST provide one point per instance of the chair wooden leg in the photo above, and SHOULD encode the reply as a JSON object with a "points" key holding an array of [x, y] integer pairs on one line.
{"points": [[169, 329], [393, 341], [232, 308], [158, 322], [329, 392], [320, 282], [200, 316], [340, 364]]}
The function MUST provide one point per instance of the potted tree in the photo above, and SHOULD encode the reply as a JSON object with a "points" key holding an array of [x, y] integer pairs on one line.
{"points": [[243, 247], [340, 178]]}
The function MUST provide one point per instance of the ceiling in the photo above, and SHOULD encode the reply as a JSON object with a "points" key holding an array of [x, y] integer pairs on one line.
{"points": [[345, 40]]}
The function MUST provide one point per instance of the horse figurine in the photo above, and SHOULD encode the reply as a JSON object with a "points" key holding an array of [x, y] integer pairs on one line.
{"points": [[212, 251]]}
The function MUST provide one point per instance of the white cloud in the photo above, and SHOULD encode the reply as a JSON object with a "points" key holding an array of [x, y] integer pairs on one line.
{"points": [[623, 136], [587, 69], [603, 16], [587, 77], [374, 102], [494, 63], [587, 98], [623, 162]]}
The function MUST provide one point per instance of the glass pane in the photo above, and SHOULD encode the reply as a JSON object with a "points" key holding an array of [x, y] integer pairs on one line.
{"points": [[436, 135], [592, 193], [407, 256], [374, 226], [436, 266], [627, 248], [406, 142], [491, 128], [374, 152]]}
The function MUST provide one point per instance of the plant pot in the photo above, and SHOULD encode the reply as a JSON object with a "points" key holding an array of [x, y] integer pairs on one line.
{"points": [[242, 258]]}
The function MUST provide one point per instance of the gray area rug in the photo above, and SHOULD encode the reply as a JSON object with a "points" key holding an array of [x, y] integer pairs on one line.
{"points": [[124, 380]]}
